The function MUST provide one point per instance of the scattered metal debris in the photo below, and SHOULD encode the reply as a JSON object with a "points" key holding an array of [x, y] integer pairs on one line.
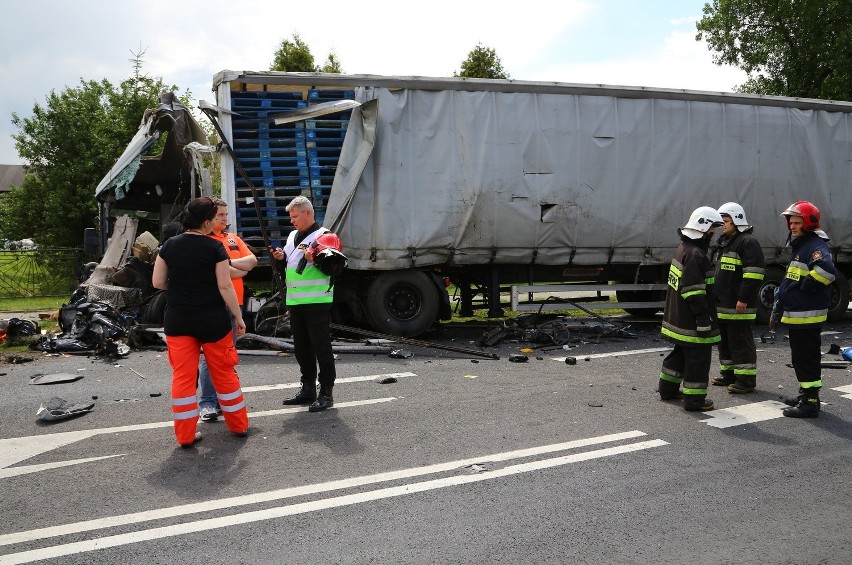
{"points": [[54, 378], [401, 354], [554, 330], [518, 358], [60, 409]]}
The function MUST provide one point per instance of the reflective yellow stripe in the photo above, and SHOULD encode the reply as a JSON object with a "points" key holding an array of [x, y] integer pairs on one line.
{"points": [[691, 339], [738, 316], [755, 276]]}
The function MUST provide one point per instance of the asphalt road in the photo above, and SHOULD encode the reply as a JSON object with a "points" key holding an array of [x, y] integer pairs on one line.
{"points": [[461, 460]]}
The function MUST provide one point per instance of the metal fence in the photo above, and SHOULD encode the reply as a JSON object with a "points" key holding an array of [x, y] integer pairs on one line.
{"points": [[39, 272]]}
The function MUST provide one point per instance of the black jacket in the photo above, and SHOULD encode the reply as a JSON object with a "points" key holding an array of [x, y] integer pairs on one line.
{"points": [[740, 268]]}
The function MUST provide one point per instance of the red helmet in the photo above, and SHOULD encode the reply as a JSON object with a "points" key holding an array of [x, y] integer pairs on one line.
{"points": [[327, 239], [805, 210]]}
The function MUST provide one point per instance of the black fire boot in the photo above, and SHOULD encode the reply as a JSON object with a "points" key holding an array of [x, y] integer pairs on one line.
{"points": [[794, 400], [724, 379], [808, 406], [669, 390], [744, 384], [323, 401], [306, 395], [697, 403]]}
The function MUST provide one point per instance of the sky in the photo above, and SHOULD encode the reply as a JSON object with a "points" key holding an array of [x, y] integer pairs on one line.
{"points": [[51, 45]]}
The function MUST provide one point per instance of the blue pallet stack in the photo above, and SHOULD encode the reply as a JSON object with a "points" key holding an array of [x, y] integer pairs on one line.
{"points": [[274, 158], [324, 139]]}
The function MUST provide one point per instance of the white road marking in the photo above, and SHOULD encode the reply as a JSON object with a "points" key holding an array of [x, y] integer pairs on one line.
{"points": [[23, 470], [745, 414], [846, 390], [17, 449], [300, 508], [337, 381], [580, 356], [279, 494]]}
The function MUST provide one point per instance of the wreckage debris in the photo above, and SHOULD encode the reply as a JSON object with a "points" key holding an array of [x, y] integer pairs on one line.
{"points": [[518, 358], [54, 378], [57, 409], [401, 354], [554, 330]]}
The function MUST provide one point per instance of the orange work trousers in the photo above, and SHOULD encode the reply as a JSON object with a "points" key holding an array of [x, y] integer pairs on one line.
{"points": [[221, 357]]}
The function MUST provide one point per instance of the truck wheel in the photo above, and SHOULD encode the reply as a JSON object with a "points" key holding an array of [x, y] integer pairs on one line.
{"points": [[154, 310], [772, 277], [403, 303], [641, 296], [271, 318], [839, 298]]}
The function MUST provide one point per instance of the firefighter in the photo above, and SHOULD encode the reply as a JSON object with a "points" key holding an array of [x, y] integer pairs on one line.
{"points": [[689, 318], [740, 268], [310, 294], [802, 302]]}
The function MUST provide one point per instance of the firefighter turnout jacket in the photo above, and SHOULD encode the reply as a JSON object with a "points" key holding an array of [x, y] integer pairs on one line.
{"points": [[310, 286], [690, 302], [740, 268], [804, 294]]}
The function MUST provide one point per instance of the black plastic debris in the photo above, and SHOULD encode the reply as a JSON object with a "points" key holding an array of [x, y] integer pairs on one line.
{"points": [[400, 354], [54, 378], [387, 380], [518, 358], [571, 360], [21, 328], [87, 327], [595, 404], [60, 409], [554, 329], [833, 349]]}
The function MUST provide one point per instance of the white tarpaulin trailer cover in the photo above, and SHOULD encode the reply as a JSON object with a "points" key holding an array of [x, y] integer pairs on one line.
{"points": [[429, 177]]}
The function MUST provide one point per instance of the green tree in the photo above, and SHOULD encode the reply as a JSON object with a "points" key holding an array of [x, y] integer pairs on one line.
{"points": [[482, 62], [788, 47], [332, 64], [68, 144], [293, 56]]}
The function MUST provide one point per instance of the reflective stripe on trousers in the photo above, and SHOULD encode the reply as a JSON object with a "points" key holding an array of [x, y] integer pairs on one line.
{"points": [[221, 358]]}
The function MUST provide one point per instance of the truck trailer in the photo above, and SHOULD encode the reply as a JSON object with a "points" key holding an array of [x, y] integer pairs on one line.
{"points": [[479, 185]]}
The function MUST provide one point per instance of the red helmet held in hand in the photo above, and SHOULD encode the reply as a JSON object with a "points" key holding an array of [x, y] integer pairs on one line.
{"points": [[808, 212]]}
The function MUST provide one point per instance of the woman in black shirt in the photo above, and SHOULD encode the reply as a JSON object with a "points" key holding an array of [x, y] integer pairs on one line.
{"points": [[194, 271]]}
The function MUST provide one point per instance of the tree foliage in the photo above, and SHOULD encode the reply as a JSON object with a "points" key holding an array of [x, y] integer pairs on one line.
{"points": [[482, 62], [788, 47], [68, 145], [293, 56], [332, 64]]}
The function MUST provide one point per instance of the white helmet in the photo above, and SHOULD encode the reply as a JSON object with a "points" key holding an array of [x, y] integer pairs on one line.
{"points": [[700, 222], [737, 214]]}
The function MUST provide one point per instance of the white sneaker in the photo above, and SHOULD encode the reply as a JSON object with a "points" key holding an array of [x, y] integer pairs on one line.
{"points": [[208, 414]]}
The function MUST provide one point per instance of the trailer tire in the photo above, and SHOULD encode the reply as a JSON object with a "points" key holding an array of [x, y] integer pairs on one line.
{"points": [[403, 303], [772, 277], [839, 298], [153, 311]]}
